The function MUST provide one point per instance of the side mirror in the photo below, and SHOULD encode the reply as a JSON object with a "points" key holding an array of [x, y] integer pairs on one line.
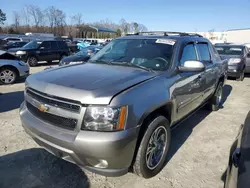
{"points": [[192, 66]]}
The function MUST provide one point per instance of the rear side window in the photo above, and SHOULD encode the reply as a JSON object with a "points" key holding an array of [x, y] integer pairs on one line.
{"points": [[62, 44], [188, 53], [46, 45], [203, 51], [54, 45]]}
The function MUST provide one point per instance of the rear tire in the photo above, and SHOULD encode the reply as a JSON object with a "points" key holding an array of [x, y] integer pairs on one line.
{"points": [[153, 148], [32, 61], [8, 76], [215, 102]]}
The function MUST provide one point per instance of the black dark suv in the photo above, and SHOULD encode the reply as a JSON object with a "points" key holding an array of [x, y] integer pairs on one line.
{"points": [[36, 51]]}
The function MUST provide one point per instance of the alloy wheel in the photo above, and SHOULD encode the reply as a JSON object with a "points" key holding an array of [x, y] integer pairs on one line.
{"points": [[7, 76], [156, 147]]}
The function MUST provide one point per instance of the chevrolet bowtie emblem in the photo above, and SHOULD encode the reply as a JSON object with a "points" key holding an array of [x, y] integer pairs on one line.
{"points": [[43, 108]]}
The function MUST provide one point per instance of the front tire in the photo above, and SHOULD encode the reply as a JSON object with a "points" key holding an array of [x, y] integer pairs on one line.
{"points": [[32, 61], [7, 76], [153, 148], [242, 76]]}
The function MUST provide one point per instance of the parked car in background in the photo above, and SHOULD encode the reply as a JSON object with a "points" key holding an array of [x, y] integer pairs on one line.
{"points": [[11, 68], [13, 39], [238, 59], [81, 56], [35, 51], [10, 45], [238, 170], [115, 112]]}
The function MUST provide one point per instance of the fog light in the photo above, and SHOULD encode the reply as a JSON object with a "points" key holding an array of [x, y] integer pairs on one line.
{"points": [[102, 164]]}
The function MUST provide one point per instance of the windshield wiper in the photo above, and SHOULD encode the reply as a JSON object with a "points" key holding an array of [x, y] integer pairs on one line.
{"points": [[100, 61], [133, 65]]}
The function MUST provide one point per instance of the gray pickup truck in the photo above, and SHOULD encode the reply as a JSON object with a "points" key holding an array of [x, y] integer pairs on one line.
{"points": [[115, 112]]}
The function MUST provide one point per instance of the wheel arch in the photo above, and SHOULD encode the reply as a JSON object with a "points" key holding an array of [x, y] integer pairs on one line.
{"points": [[11, 67], [165, 110]]}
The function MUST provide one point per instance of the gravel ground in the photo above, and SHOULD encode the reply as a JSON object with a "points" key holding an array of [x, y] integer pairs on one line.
{"points": [[198, 155]]}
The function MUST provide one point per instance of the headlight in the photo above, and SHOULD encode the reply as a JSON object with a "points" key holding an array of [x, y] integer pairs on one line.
{"points": [[234, 60], [20, 52], [99, 118], [21, 63]]}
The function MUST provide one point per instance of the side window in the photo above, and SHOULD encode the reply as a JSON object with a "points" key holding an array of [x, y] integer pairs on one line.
{"points": [[46, 45], [54, 45], [188, 53], [203, 51]]}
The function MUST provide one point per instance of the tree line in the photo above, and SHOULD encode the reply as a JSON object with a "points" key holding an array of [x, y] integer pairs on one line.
{"points": [[31, 18]]}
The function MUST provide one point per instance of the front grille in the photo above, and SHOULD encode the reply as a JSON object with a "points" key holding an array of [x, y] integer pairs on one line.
{"points": [[52, 102], [67, 123]]}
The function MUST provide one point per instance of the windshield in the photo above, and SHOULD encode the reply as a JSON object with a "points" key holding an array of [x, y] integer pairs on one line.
{"points": [[32, 45], [229, 50], [154, 54]]}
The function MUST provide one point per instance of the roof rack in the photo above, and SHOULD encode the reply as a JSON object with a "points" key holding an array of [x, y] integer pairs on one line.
{"points": [[166, 33]]}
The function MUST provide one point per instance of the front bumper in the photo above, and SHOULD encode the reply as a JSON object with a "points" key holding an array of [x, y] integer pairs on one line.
{"points": [[234, 70], [24, 71], [105, 153]]}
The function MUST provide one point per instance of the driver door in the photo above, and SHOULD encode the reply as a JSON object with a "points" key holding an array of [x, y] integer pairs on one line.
{"points": [[189, 88], [45, 53]]}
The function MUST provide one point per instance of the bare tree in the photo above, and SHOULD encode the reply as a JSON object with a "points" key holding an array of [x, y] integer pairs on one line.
{"points": [[25, 16], [77, 19], [16, 19], [51, 13], [136, 25], [36, 14], [142, 28]]}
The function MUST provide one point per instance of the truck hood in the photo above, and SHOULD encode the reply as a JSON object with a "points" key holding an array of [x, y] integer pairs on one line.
{"points": [[88, 83]]}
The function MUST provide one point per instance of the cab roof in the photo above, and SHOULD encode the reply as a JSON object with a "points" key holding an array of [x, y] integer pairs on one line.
{"points": [[177, 36]]}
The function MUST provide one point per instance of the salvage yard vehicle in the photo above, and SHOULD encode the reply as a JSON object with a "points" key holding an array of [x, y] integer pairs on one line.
{"points": [[81, 56], [11, 68], [47, 50], [238, 171], [115, 112], [238, 59]]}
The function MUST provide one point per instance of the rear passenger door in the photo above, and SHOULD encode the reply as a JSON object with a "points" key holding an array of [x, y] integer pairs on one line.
{"points": [[210, 71], [189, 88], [54, 51]]}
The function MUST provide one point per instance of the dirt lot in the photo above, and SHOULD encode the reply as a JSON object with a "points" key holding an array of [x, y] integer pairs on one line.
{"points": [[198, 154]]}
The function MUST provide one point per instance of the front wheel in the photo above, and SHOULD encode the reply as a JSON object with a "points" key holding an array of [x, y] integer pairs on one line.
{"points": [[7, 76], [241, 77], [32, 61], [153, 148]]}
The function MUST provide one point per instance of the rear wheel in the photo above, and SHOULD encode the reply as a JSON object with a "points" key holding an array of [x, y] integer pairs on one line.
{"points": [[8, 76], [153, 148], [63, 56], [32, 61], [216, 100]]}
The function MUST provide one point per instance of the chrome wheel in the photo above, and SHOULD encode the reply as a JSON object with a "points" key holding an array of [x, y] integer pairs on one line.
{"points": [[7, 76], [156, 147]]}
